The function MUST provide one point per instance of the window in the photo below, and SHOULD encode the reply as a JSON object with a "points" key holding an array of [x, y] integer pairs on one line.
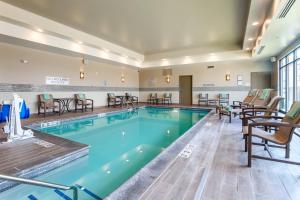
{"points": [[289, 79], [298, 78]]}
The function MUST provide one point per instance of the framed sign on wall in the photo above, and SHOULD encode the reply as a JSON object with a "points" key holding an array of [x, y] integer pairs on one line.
{"points": [[52, 80], [239, 80]]}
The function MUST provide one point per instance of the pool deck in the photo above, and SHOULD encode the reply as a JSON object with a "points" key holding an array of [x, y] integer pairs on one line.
{"points": [[216, 168]]}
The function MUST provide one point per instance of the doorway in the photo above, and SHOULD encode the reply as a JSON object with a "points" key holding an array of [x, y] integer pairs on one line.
{"points": [[260, 80], [185, 90]]}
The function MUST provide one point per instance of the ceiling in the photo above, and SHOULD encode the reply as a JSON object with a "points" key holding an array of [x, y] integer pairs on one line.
{"points": [[151, 26]]}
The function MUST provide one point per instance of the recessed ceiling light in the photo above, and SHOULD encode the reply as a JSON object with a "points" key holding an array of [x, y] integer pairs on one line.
{"points": [[24, 61], [79, 42], [105, 50], [255, 23], [250, 39], [40, 30]]}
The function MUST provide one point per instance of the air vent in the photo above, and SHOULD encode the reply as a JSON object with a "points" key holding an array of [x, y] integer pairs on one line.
{"points": [[286, 8], [210, 67], [260, 49]]}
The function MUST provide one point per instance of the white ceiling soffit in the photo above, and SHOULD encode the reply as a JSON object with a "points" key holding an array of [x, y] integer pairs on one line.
{"points": [[283, 29], [203, 58], [27, 26], [149, 26], [21, 24], [257, 16]]}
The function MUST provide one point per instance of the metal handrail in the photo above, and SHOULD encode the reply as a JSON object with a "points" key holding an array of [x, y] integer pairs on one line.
{"points": [[42, 184]]}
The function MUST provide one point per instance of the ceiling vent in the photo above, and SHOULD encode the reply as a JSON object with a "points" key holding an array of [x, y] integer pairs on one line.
{"points": [[210, 67], [260, 49], [286, 8]]}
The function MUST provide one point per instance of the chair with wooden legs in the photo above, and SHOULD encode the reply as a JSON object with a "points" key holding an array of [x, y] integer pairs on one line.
{"points": [[112, 100], [167, 98], [46, 102], [260, 101], [281, 138], [248, 99], [134, 99], [82, 103], [223, 99], [268, 110], [203, 98], [152, 98]]}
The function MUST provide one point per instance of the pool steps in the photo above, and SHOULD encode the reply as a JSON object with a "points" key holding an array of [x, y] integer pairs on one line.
{"points": [[66, 197]]}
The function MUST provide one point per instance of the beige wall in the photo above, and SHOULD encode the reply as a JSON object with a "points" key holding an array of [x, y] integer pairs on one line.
{"points": [[153, 78], [42, 64]]}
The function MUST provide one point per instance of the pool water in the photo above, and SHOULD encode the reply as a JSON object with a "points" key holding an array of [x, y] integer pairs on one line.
{"points": [[120, 145]]}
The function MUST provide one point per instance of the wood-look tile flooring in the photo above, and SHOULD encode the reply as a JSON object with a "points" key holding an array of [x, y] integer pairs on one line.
{"points": [[24, 154], [217, 170]]}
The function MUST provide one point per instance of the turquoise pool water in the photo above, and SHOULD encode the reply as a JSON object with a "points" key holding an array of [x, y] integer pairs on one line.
{"points": [[120, 144]]}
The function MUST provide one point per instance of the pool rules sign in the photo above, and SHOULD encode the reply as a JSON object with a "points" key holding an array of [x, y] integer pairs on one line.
{"points": [[51, 80]]}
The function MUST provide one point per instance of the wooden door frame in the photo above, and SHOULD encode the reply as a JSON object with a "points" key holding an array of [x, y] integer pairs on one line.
{"points": [[191, 97]]}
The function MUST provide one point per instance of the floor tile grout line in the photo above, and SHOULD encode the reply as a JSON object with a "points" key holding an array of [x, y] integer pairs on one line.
{"points": [[207, 169]]}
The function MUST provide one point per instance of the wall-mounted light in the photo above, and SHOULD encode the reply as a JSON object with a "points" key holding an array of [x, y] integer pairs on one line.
{"points": [[168, 79], [122, 78], [81, 75], [167, 73], [227, 77], [24, 61]]}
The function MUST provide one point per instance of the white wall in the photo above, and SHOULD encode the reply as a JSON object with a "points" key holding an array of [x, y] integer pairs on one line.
{"points": [[42, 64], [151, 79]]}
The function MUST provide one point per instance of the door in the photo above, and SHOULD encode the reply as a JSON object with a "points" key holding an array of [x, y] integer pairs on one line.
{"points": [[185, 90], [260, 80]]}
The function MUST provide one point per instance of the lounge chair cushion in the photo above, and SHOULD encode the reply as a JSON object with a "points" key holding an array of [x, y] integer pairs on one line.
{"points": [[294, 111], [252, 93], [46, 97], [265, 94], [166, 95], [111, 95], [81, 96], [237, 111], [223, 96], [227, 108], [258, 132]]}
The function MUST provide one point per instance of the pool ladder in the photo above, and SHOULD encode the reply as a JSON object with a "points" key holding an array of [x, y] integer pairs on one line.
{"points": [[57, 187]]}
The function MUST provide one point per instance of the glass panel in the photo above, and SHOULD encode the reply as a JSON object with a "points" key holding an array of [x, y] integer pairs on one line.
{"points": [[290, 89], [283, 88], [298, 79], [283, 62], [298, 53], [290, 57]]}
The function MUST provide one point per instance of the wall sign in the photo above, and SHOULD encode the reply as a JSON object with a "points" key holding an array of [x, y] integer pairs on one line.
{"points": [[51, 80], [239, 80]]}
